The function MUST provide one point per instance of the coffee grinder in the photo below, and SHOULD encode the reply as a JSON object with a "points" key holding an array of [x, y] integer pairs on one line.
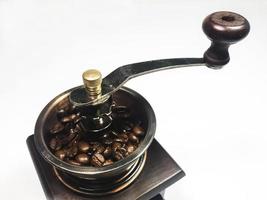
{"points": [[96, 141]]}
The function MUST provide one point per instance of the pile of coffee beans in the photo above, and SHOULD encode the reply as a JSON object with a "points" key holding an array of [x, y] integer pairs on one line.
{"points": [[68, 142]]}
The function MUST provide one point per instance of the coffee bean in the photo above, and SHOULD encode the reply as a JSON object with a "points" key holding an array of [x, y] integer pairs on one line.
{"points": [[82, 158], [138, 131], [74, 141], [57, 128], [122, 150], [124, 137], [116, 145], [133, 138], [77, 118], [68, 138], [120, 140], [107, 152], [83, 146], [108, 162], [72, 151], [117, 156], [61, 113], [55, 144], [63, 105], [123, 145], [130, 148], [95, 145], [73, 130], [100, 149], [68, 126], [107, 141], [97, 160], [69, 118], [77, 128], [61, 154]]}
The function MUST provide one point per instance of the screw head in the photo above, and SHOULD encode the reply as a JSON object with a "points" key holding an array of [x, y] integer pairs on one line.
{"points": [[92, 80]]}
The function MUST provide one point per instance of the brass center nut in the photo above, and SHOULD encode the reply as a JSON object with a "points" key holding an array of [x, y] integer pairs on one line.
{"points": [[92, 79]]}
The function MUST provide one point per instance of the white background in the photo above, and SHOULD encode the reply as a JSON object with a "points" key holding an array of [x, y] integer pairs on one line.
{"points": [[212, 122]]}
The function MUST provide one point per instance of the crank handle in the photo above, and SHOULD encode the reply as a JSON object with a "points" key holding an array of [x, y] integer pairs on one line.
{"points": [[222, 28]]}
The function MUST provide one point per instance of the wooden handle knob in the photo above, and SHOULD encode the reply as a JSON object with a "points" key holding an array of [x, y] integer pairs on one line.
{"points": [[223, 29]]}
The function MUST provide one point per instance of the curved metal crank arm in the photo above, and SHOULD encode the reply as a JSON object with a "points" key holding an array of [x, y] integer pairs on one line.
{"points": [[121, 75], [222, 28]]}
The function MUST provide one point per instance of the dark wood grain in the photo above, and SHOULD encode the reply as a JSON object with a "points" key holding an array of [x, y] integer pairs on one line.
{"points": [[160, 172]]}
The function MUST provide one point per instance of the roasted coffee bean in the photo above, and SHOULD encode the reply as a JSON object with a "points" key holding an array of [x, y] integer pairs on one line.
{"points": [[83, 146], [107, 141], [107, 152], [118, 139], [82, 158], [72, 151], [77, 120], [68, 138], [74, 141], [77, 128], [122, 150], [138, 131], [57, 128], [108, 162], [64, 105], [124, 137], [133, 138], [73, 162], [97, 160], [117, 156], [61, 113], [71, 135], [69, 126], [55, 144], [61, 154], [116, 145], [95, 145], [100, 149], [123, 145], [130, 148], [69, 118], [73, 130]]}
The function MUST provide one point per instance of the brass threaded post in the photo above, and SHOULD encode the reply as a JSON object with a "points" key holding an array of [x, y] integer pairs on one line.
{"points": [[92, 80]]}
